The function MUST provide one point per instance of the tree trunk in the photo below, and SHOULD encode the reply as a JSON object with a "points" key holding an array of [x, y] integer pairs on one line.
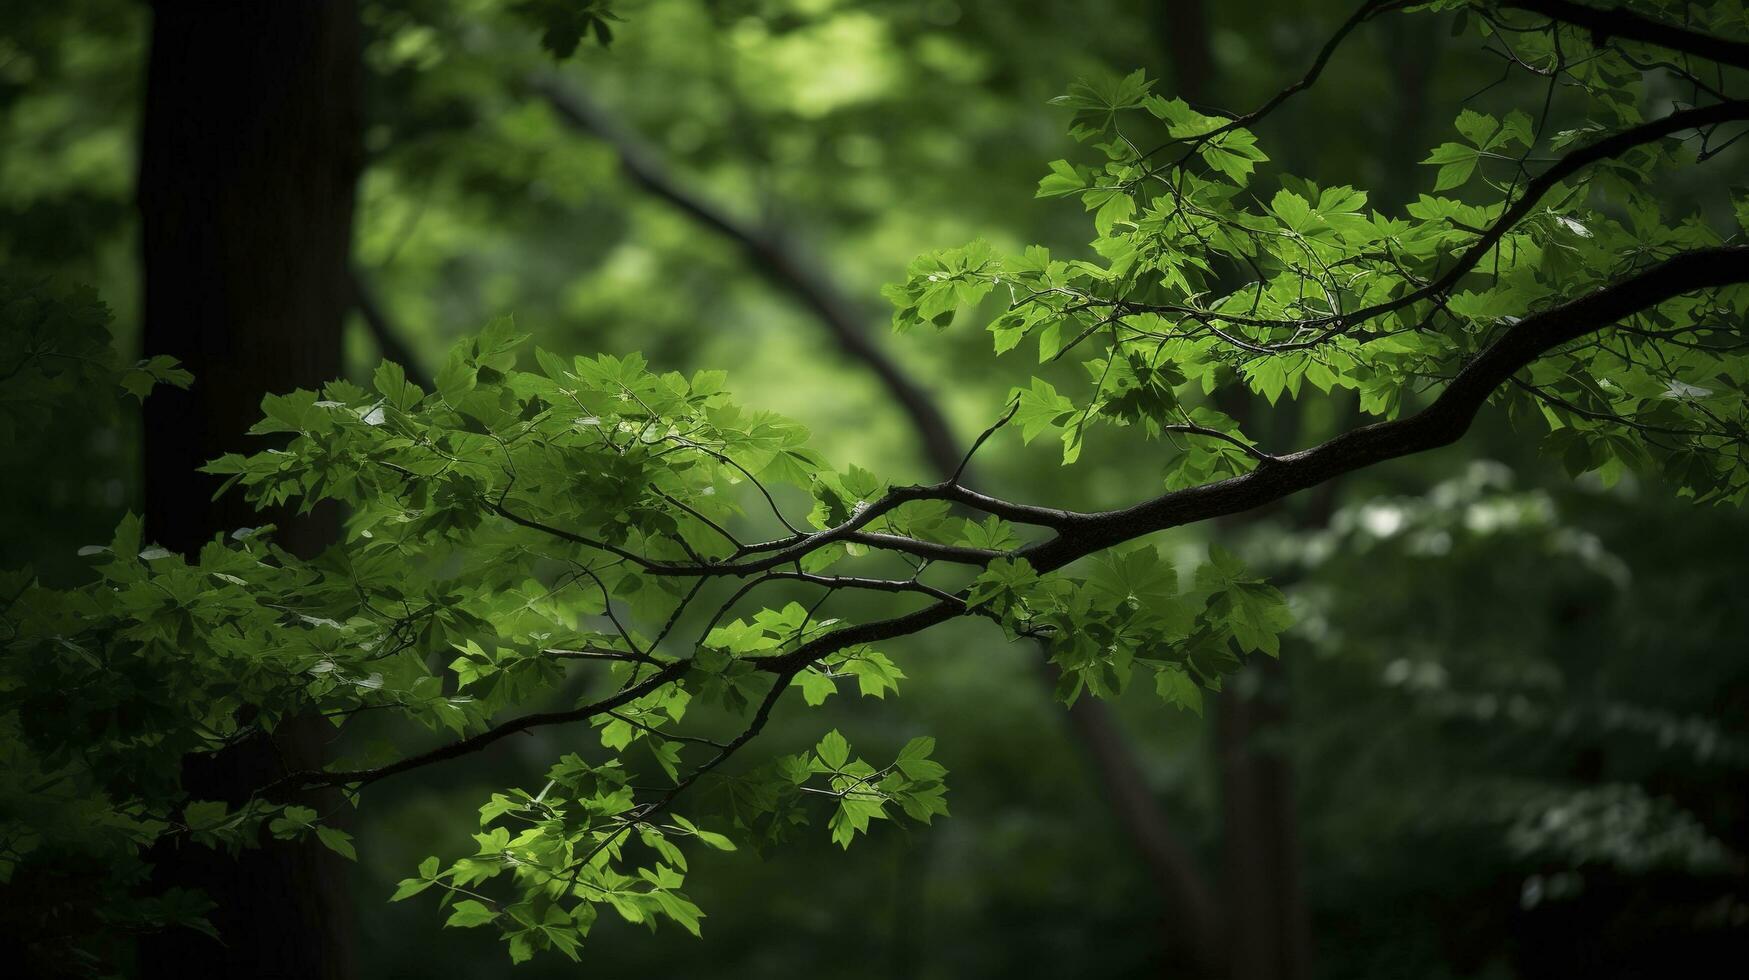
{"points": [[250, 152], [1411, 51], [249, 159], [1183, 29], [1265, 911], [1267, 929], [1263, 918], [1191, 926], [1269, 933]]}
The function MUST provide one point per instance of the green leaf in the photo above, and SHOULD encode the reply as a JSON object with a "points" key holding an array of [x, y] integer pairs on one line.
{"points": [[1176, 686], [1478, 128], [1139, 579], [390, 380], [292, 822], [205, 814], [1063, 179], [833, 750], [469, 913], [409, 887], [915, 763], [1112, 207], [816, 687], [1294, 211], [852, 818], [1003, 581], [1456, 163], [1041, 408], [338, 841], [708, 838], [160, 369], [564, 24], [1254, 612]]}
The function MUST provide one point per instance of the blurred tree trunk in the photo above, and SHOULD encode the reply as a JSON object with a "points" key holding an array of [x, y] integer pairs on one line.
{"points": [[1263, 920], [1183, 29], [1191, 926], [249, 158], [1411, 51], [1267, 928], [1265, 908]]}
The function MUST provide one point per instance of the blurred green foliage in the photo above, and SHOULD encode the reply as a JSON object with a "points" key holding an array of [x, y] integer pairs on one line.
{"points": [[1514, 702]]}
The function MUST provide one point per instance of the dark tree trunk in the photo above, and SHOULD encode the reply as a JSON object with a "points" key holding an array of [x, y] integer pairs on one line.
{"points": [[1183, 29], [1269, 933], [1267, 929], [1263, 920], [1411, 51], [1191, 925], [250, 152], [1265, 911]]}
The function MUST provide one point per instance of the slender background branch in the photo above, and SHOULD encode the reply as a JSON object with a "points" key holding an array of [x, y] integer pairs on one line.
{"points": [[772, 256]]}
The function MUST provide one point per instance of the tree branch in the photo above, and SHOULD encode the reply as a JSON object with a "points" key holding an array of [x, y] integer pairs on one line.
{"points": [[1607, 148], [1439, 424], [1092, 720], [390, 344], [771, 257], [790, 551], [1367, 11], [1628, 25], [467, 746]]}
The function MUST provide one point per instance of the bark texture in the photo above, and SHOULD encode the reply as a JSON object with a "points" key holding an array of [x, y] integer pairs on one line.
{"points": [[249, 158]]}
